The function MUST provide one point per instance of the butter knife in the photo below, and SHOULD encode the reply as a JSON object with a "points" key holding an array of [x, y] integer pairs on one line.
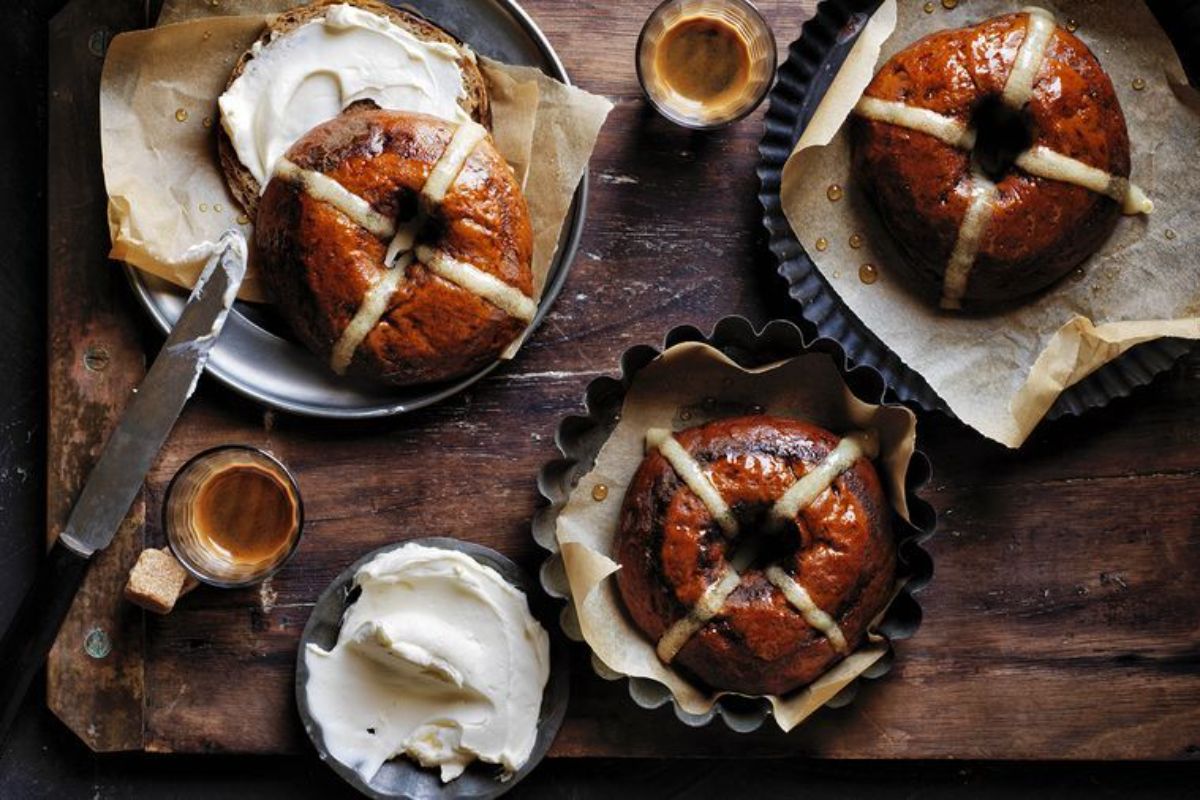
{"points": [[117, 477]]}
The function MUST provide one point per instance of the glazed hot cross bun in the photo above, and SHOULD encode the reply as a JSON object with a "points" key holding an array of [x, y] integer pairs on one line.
{"points": [[398, 246], [997, 156], [756, 551]]}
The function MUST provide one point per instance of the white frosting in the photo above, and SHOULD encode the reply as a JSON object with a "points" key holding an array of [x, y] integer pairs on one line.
{"points": [[970, 236], [1039, 29], [804, 492], [309, 75], [509, 299], [374, 306], [440, 657], [1046, 163], [327, 190], [800, 600], [451, 161], [707, 607], [403, 242], [939, 126], [690, 472]]}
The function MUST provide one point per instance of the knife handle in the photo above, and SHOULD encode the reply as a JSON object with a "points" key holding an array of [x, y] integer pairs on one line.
{"points": [[35, 626]]}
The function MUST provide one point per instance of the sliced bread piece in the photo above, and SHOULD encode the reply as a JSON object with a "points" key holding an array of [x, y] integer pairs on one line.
{"points": [[475, 101]]}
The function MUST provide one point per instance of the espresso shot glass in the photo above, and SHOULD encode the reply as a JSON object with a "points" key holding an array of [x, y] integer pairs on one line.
{"points": [[233, 515], [705, 64]]}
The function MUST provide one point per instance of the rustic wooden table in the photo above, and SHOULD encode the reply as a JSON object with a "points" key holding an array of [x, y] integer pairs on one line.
{"points": [[1061, 623]]}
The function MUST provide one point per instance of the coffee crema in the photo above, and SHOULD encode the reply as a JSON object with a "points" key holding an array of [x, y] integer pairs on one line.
{"points": [[705, 59], [705, 63], [244, 513], [233, 515]]}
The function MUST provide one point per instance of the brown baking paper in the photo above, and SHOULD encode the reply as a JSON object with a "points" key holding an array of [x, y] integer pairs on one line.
{"points": [[688, 385], [1000, 374], [168, 202]]}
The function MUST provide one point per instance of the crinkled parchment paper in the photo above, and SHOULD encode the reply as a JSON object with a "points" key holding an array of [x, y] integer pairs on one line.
{"points": [[168, 202], [686, 386], [1000, 374]]}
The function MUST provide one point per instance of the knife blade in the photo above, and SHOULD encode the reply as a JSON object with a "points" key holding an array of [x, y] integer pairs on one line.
{"points": [[118, 475]]}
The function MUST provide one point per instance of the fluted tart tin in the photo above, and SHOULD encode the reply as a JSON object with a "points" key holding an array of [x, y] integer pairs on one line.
{"points": [[580, 439], [812, 63]]}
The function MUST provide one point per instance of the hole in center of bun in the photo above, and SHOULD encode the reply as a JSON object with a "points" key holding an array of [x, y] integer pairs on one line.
{"points": [[1003, 134], [765, 540], [433, 228], [406, 206]]}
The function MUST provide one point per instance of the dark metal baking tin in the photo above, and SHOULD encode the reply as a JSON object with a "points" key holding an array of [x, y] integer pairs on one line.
{"points": [[580, 438], [400, 777], [801, 82]]}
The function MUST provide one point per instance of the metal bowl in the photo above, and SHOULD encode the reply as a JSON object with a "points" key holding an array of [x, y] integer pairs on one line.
{"points": [[401, 777], [257, 358], [580, 439]]}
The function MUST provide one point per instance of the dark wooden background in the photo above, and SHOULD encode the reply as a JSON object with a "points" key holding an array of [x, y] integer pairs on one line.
{"points": [[1061, 623]]}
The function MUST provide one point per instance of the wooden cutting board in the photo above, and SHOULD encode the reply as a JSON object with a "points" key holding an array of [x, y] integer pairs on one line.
{"points": [[1061, 623]]}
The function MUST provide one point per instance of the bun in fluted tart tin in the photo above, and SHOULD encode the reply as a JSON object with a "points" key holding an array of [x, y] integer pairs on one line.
{"points": [[999, 365], [756, 550], [997, 155], [689, 566]]}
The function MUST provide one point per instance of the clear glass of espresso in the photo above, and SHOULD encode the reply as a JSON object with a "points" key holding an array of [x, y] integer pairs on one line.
{"points": [[705, 64], [233, 515]]}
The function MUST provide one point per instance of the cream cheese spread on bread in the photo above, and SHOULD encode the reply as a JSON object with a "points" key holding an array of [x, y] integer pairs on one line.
{"points": [[308, 76], [438, 658]]}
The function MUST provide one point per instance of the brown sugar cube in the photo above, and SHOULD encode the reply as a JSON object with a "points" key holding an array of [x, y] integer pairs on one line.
{"points": [[157, 580]]}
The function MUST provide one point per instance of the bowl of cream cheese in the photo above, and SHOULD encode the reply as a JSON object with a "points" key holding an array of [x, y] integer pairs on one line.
{"points": [[422, 673]]}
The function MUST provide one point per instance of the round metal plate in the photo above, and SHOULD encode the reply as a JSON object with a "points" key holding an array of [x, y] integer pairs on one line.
{"points": [[401, 777], [257, 358], [813, 61]]}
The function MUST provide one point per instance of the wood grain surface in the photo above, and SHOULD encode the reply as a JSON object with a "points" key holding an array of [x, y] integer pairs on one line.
{"points": [[1061, 622], [95, 359]]}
